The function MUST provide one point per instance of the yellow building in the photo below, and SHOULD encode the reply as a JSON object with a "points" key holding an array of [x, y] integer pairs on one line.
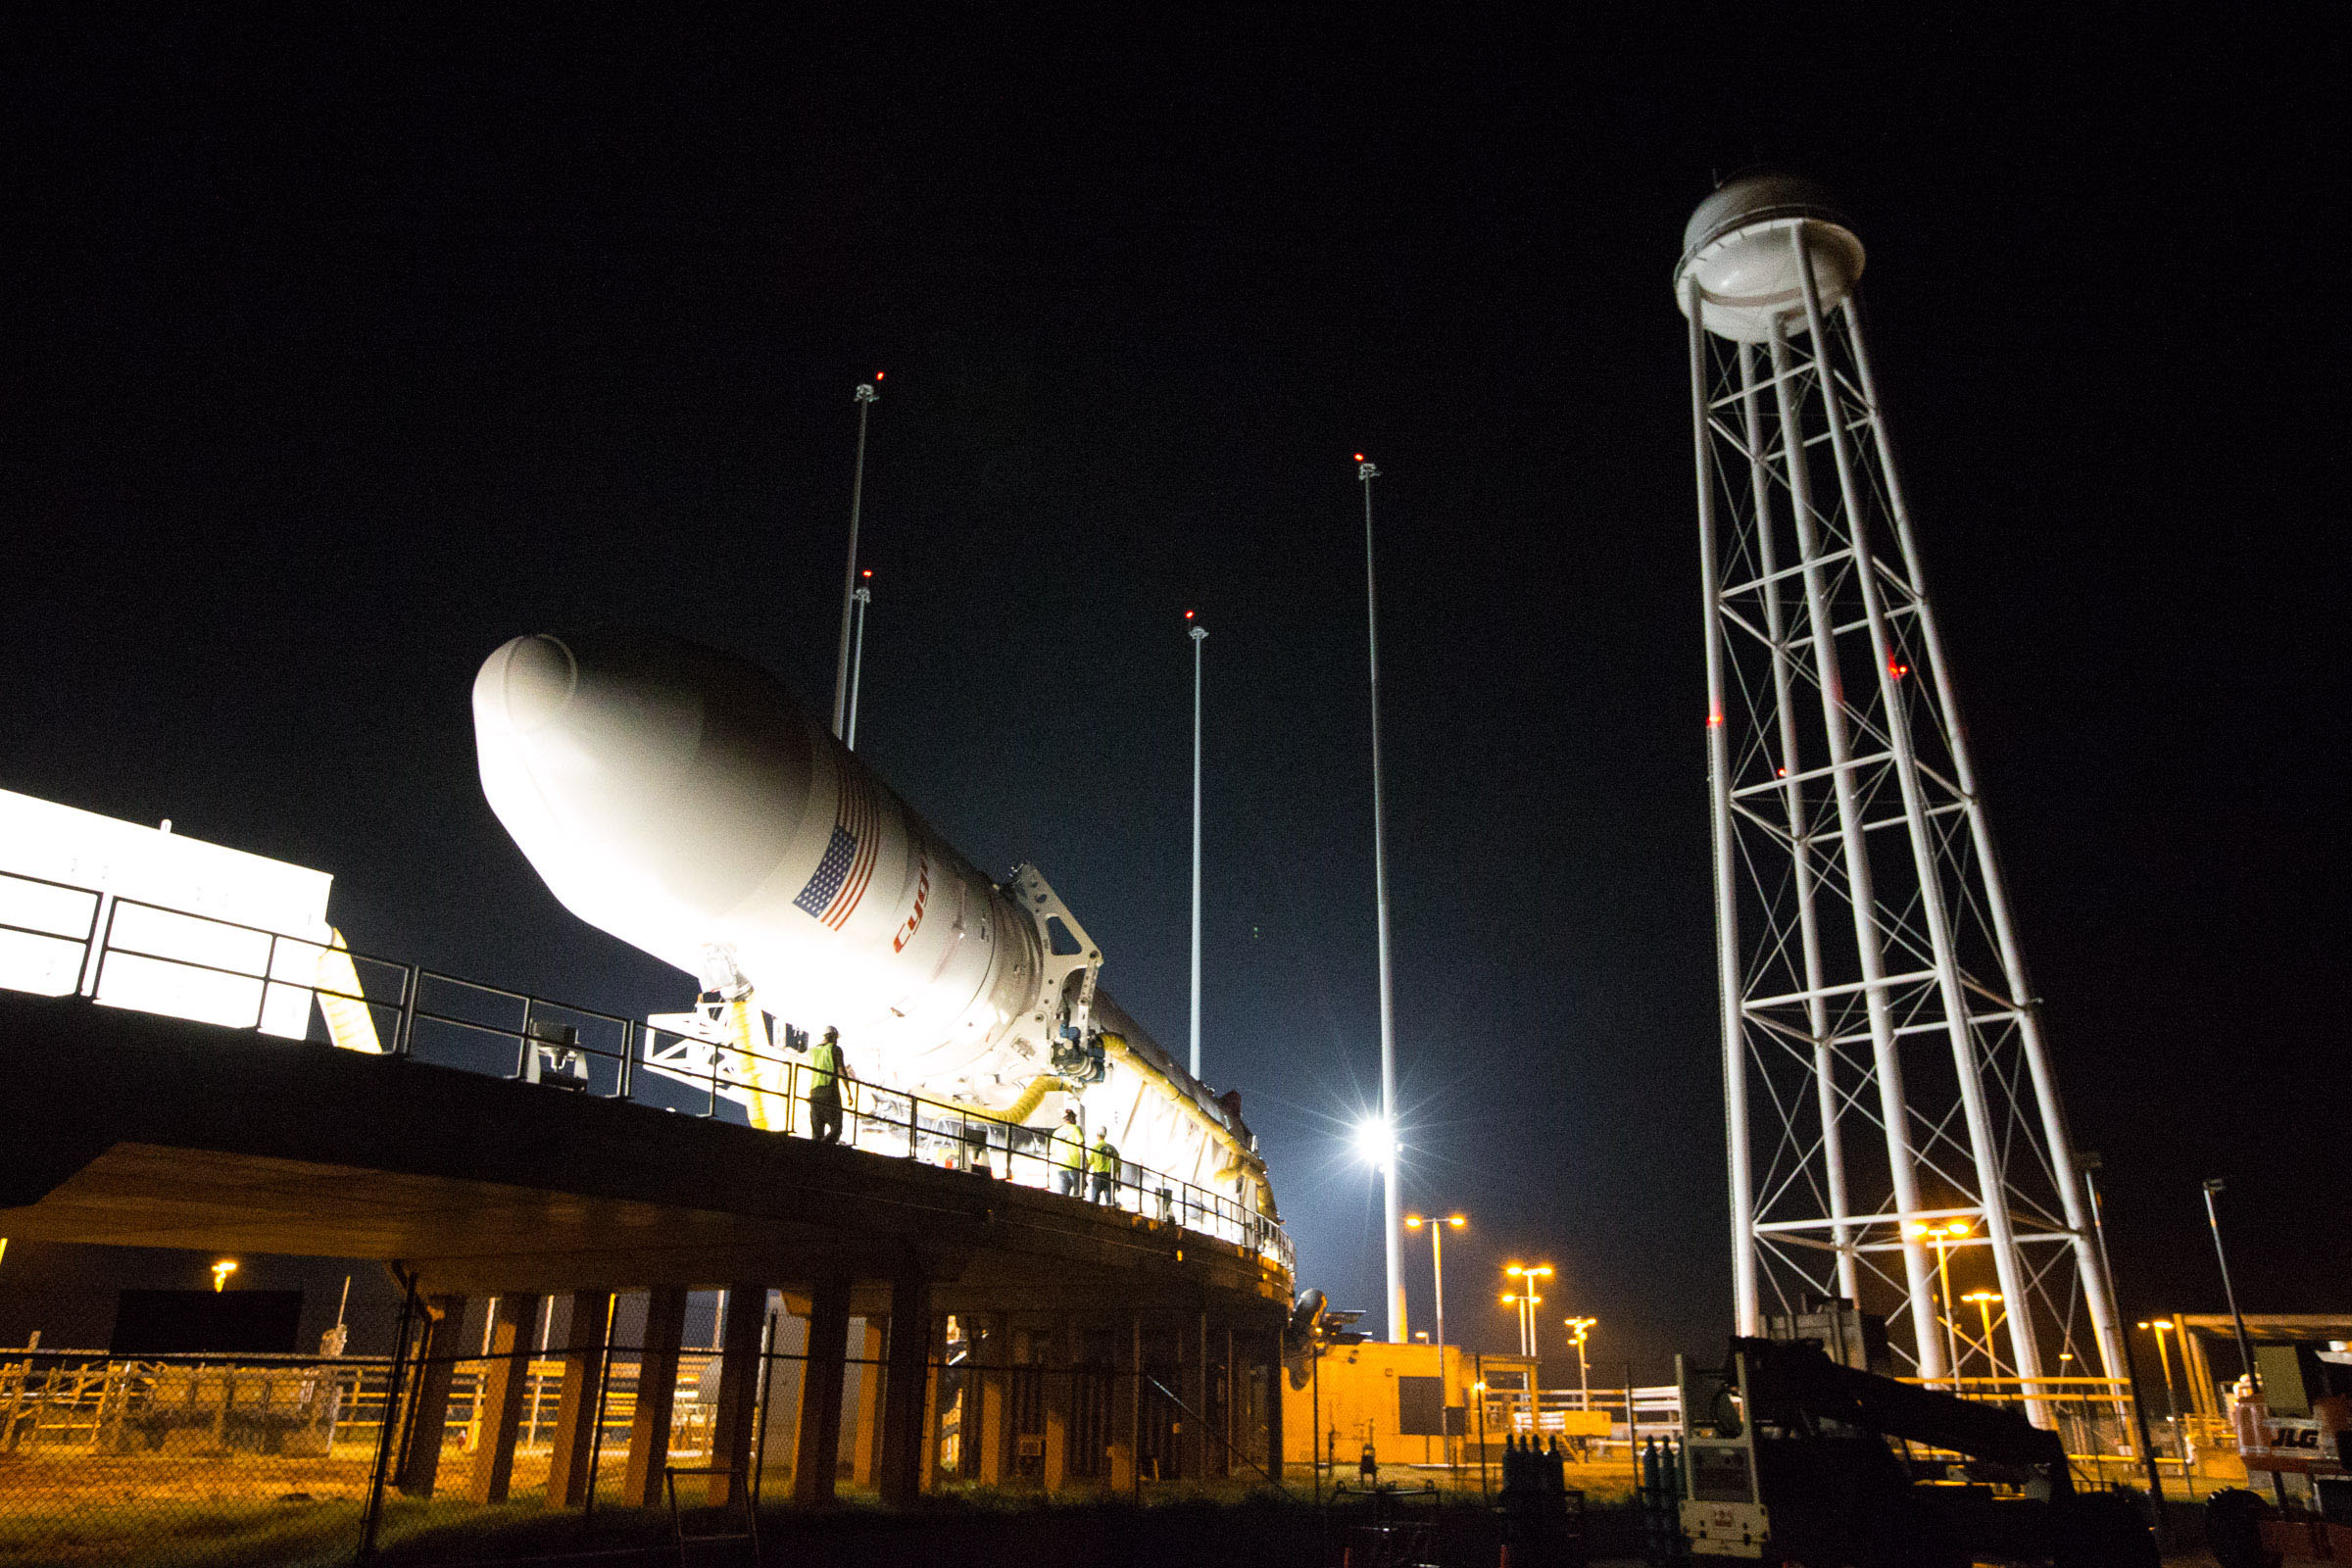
{"points": [[1401, 1398]]}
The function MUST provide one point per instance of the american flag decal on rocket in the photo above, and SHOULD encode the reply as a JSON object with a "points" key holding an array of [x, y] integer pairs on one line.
{"points": [[840, 878]]}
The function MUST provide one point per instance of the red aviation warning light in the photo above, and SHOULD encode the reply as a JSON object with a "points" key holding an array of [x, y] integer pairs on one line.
{"points": [[877, 375], [1187, 615]]}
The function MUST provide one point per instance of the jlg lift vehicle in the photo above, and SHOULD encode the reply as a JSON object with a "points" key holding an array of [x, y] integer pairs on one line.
{"points": [[1789, 1458]]}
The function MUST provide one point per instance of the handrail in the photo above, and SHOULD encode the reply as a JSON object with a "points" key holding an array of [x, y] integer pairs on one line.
{"points": [[968, 1136]]}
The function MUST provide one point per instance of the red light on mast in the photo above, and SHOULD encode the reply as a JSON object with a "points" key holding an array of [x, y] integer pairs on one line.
{"points": [[877, 375]]}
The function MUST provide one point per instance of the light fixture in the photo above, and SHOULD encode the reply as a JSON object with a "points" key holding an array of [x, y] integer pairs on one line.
{"points": [[221, 1271]]}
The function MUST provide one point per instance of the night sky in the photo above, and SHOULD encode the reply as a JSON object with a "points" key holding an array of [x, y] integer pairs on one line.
{"points": [[343, 349]]}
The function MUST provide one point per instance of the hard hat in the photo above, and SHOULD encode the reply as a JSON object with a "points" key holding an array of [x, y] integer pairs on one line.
{"points": [[832, 1033]]}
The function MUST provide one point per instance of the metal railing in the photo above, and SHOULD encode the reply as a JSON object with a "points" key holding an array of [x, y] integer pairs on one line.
{"points": [[242, 976]]}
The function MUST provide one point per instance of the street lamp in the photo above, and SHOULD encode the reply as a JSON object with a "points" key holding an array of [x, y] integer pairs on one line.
{"points": [[1437, 1263], [1577, 1328], [221, 1271], [1942, 1237], [1986, 1302], [1527, 1300], [2172, 1404]]}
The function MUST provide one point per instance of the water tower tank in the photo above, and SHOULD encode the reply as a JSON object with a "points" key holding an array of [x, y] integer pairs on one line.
{"points": [[1739, 249]]}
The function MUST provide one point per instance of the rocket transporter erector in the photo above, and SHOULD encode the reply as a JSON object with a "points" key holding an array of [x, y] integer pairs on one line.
{"points": [[678, 799]]}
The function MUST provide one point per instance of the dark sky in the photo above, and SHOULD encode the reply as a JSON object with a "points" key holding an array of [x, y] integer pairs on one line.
{"points": [[341, 350]]}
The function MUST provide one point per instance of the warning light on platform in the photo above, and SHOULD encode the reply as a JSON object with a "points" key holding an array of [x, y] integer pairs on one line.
{"points": [[221, 1271]]}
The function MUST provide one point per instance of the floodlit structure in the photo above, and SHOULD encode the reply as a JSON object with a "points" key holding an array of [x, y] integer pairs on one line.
{"points": [[1885, 1070], [679, 800], [191, 929]]}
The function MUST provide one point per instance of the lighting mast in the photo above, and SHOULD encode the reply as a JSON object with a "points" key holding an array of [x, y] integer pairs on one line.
{"points": [[1365, 473], [865, 596], [865, 394], [1200, 636]]}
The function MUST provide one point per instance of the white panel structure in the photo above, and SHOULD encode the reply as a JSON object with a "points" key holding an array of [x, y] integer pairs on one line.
{"points": [[1884, 1072], [190, 925]]}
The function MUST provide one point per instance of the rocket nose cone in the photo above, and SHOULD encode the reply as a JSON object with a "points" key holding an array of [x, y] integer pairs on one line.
{"points": [[533, 678]]}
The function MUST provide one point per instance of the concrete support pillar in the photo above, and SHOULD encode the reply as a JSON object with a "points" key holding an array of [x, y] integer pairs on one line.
{"points": [[816, 1453], [1127, 1407], [428, 1413], [2200, 1374], [1055, 1352], [574, 1457], [504, 1380], [995, 1404], [656, 1394], [905, 1390], [1228, 1465], [738, 1369], [1273, 1456], [867, 1462], [1198, 1451], [935, 1351]]}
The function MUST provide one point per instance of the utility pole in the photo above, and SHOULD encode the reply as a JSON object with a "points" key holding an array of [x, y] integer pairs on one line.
{"points": [[1200, 636], [1365, 473], [865, 394]]}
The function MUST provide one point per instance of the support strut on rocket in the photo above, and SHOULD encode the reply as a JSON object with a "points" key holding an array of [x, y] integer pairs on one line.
{"points": [[679, 800]]}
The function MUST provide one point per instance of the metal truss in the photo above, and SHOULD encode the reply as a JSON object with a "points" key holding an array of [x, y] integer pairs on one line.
{"points": [[1884, 1064]]}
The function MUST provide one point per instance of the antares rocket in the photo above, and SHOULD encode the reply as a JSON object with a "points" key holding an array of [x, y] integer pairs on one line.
{"points": [[678, 799]]}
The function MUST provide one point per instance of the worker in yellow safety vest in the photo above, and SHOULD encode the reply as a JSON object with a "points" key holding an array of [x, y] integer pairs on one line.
{"points": [[826, 1072], [1105, 1164], [1069, 1154]]}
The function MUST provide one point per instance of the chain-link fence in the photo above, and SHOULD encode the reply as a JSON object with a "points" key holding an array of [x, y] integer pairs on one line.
{"points": [[181, 1458], [606, 1440]]}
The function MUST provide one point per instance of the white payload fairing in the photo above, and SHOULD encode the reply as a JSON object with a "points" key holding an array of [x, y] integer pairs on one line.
{"points": [[680, 799]]}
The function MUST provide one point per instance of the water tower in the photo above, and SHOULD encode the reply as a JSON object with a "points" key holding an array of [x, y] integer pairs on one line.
{"points": [[1894, 1128]]}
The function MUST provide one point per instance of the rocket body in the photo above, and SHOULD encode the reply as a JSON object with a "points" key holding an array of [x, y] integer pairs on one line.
{"points": [[680, 799]]}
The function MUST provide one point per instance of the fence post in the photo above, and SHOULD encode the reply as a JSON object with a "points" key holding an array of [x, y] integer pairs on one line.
{"points": [[389, 1422]]}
